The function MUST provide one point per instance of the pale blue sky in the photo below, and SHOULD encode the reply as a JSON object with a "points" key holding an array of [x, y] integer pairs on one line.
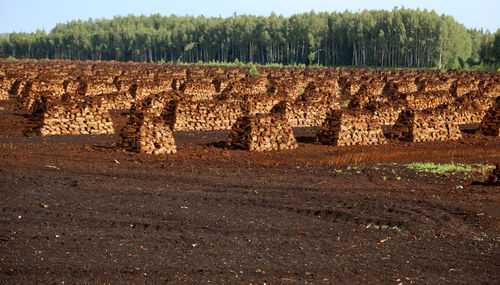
{"points": [[27, 16]]}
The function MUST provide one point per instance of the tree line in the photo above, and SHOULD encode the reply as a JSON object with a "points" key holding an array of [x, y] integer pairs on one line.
{"points": [[397, 38]]}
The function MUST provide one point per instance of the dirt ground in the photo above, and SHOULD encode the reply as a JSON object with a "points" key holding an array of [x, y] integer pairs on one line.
{"points": [[75, 210]]}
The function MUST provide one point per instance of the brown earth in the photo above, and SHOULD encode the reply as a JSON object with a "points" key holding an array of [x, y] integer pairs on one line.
{"points": [[75, 210]]}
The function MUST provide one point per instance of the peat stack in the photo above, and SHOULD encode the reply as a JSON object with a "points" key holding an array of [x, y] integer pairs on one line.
{"points": [[427, 125], [252, 104], [293, 88], [95, 87], [4, 88], [351, 127], [400, 86], [490, 125], [262, 132], [470, 108], [116, 100], [386, 113], [283, 108], [429, 99], [309, 110], [52, 117], [351, 87], [199, 89], [430, 85], [460, 88], [147, 133], [16, 87], [205, 115]]}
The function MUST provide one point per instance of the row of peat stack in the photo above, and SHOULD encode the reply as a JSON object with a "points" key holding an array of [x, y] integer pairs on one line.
{"points": [[349, 127], [262, 132], [423, 126], [54, 117]]}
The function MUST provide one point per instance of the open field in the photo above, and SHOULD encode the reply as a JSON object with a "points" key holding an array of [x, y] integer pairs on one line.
{"points": [[85, 209]]}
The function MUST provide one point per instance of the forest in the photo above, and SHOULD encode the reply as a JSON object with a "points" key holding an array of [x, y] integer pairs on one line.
{"points": [[375, 38]]}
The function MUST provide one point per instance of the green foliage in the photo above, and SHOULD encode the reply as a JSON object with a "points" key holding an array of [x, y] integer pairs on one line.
{"points": [[489, 52], [382, 227], [253, 71], [398, 38], [189, 47], [11, 58], [448, 167]]}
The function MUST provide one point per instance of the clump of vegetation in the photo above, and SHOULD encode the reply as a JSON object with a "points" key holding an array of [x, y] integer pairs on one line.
{"points": [[344, 105], [11, 58], [437, 168], [253, 71], [382, 227]]}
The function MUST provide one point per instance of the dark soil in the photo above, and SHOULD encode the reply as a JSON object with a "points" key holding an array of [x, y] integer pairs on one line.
{"points": [[75, 210]]}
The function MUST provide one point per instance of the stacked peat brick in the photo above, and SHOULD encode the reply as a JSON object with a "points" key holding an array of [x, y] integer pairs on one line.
{"points": [[427, 125], [52, 117], [262, 132], [351, 127], [469, 108], [199, 89], [422, 100], [205, 115], [5, 85], [147, 130], [490, 125], [213, 98], [310, 108], [387, 114]]}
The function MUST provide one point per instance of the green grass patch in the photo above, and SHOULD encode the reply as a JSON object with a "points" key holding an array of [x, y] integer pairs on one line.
{"points": [[382, 227], [2, 108], [437, 168], [253, 71]]}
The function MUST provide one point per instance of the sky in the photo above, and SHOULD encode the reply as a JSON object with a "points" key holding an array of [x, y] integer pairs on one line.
{"points": [[28, 16]]}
